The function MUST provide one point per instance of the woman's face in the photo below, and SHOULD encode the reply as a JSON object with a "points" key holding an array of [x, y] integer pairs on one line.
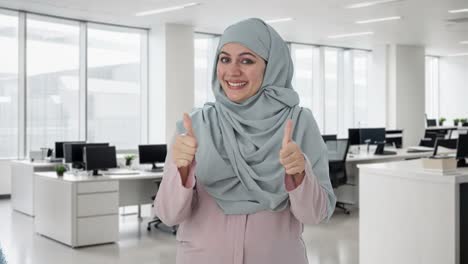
{"points": [[240, 72]]}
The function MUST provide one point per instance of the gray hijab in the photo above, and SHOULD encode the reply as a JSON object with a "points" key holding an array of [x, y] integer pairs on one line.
{"points": [[239, 143]]}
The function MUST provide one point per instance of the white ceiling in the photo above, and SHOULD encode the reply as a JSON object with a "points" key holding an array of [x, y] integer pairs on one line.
{"points": [[424, 21]]}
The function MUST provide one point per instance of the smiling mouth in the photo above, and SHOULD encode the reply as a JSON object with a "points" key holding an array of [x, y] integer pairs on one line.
{"points": [[236, 85]]}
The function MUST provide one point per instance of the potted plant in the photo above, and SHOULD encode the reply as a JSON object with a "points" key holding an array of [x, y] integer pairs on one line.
{"points": [[60, 169], [463, 120], [128, 159], [456, 121], [441, 121]]}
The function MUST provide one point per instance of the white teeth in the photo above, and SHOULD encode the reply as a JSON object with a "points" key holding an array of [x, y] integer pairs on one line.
{"points": [[237, 84]]}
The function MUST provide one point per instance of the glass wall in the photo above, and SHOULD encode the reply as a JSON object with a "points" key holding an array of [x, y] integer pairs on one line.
{"points": [[62, 79], [52, 66], [333, 83], [114, 86], [205, 51], [8, 85]]}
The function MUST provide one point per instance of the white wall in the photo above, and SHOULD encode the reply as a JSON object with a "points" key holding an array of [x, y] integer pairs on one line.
{"points": [[5, 177], [453, 88]]}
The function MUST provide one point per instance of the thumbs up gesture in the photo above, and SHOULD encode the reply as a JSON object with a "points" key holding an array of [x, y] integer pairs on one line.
{"points": [[291, 156], [185, 146]]}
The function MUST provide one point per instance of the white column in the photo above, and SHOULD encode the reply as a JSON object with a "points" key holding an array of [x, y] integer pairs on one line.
{"points": [[377, 88], [406, 91], [171, 79]]}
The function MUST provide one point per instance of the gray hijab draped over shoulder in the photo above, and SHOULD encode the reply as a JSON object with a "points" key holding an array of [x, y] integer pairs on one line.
{"points": [[239, 143]]}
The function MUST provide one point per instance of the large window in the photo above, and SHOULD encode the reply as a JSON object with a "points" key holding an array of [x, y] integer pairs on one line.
{"points": [[64, 80], [8, 85], [333, 83], [114, 97], [432, 87], [205, 51], [52, 68]]}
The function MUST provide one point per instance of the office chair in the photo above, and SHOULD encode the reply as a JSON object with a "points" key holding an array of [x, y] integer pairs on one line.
{"points": [[430, 139], [328, 137], [156, 221], [446, 143], [394, 141], [337, 167]]}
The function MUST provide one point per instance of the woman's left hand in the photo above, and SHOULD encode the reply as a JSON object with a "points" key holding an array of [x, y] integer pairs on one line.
{"points": [[291, 156]]}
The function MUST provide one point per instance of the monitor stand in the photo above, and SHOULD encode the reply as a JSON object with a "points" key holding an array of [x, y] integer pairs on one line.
{"points": [[461, 163], [155, 168], [96, 173]]}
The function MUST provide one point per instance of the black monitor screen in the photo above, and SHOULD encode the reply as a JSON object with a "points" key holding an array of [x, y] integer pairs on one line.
{"points": [[73, 152], [99, 157], [372, 135], [354, 137], [59, 153], [152, 153], [462, 146]]}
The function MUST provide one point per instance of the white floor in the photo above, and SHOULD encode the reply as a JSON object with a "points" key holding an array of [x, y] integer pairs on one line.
{"points": [[334, 242]]}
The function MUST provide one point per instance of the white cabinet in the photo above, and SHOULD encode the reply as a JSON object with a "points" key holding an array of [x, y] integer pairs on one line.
{"points": [[22, 184], [77, 213]]}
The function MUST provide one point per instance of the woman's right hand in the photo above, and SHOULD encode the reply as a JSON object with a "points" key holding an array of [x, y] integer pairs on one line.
{"points": [[184, 148]]}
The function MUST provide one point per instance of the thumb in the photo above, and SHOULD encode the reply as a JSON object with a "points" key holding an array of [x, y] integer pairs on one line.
{"points": [[188, 124], [287, 132]]}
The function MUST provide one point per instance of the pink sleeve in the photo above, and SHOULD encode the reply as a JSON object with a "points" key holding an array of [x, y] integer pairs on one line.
{"points": [[173, 203], [308, 200]]}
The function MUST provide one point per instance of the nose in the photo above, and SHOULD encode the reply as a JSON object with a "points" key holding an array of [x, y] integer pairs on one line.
{"points": [[234, 69]]}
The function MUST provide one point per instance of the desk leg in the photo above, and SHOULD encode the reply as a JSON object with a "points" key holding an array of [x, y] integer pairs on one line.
{"points": [[139, 212]]}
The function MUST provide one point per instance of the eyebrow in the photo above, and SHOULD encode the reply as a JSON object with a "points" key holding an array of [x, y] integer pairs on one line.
{"points": [[241, 54]]}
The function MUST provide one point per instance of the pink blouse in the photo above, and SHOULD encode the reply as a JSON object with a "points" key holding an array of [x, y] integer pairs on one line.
{"points": [[207, 236]]}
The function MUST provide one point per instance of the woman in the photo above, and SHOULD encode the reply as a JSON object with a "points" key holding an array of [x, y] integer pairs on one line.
{"points": [[244, 173]]}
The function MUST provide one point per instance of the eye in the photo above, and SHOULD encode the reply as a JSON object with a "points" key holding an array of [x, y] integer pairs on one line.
{"points": [[224, 59], [247, 61]]}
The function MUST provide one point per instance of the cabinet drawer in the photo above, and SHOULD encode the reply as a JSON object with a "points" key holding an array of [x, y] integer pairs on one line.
{"points": [[97, 230], [97, 204], [101, 186]]}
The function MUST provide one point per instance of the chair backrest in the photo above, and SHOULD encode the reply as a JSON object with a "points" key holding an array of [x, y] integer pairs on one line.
{"points": [[446, 143], [337, 152], [328, 137], [337, 149]]}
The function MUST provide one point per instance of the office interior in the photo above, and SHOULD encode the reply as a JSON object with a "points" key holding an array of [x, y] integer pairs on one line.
{"points": [[385, 80]]}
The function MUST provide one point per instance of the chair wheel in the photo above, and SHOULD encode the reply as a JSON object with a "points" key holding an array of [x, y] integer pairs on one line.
{"points": [[174, 232], [148, 228]]}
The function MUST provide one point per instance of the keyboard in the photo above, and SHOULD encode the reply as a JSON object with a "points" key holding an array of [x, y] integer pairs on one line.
{"points": [[419, 149], [120, 172]]}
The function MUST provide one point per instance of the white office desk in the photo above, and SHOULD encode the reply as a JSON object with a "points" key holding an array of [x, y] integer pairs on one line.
{"points": [[350, 193], [22, 183], [83, 210], [411, 215]]}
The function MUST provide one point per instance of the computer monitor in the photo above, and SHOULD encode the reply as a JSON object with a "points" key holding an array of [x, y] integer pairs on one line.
{"points": [[151, 154], [59, 147], [73, 152], [99, 158], [431, 122], [372, 135], [446, 143], [354, 136], [462, 150]]}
